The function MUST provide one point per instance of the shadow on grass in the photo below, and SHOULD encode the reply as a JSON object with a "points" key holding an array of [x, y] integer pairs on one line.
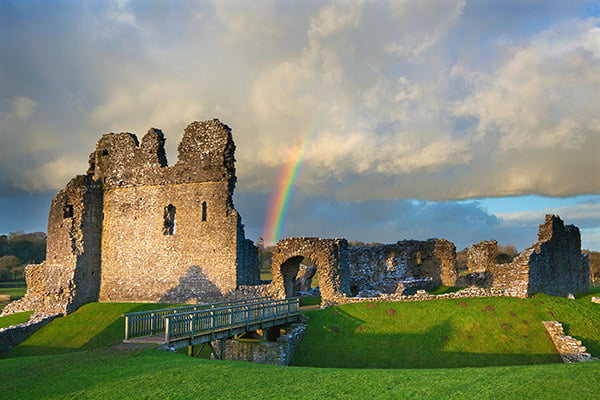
{"points": [[93, 326], [115, 332], [345, 341]]}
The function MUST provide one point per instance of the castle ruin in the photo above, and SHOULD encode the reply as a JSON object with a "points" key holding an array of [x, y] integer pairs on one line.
{"points": [[134, 229]]}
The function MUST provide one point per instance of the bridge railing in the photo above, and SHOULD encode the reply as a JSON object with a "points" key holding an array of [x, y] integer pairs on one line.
{"points": [[202, 322], [146, 323]]}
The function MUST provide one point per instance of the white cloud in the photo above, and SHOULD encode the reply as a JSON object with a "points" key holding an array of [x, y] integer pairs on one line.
{"points": [[584, 214], [22, 108], [398, 106], [50, 175], [546, 94]]}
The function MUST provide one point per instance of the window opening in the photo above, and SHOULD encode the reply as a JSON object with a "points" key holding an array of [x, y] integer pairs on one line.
{"points": [[169, 220], [203, 211], [68, 211]]}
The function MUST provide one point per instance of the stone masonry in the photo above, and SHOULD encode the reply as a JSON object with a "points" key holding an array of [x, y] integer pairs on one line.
{"points": [[570, 349], [482, 256], [135, 229], [392, 268], [553, 265]]}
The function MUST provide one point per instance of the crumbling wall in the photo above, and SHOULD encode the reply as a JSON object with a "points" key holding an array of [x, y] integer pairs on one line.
{"points": [[556, 266], [482, 256], [70, 275], [171, 234], [394, 268], [330, 257], [135, 229], [553, 265]]}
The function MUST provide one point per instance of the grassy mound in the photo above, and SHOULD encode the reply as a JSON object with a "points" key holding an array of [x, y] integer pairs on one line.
{"points": [[93, 326], [111, 374], [445, 333], [90, 368]]}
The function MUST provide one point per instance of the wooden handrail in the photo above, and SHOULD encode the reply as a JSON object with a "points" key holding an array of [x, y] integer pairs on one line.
{"points": [[145, 323], [202, 322]]}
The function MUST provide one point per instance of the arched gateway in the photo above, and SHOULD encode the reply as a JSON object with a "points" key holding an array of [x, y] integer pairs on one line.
{"points": [[330, 256]]}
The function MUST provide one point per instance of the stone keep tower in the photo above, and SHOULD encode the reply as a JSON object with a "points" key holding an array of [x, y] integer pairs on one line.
{"points": [[136, 229]]}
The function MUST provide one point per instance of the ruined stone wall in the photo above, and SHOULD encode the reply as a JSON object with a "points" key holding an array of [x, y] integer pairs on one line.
{"points": [[171, 234], [513, 275], [553, 265], [15, 334], [70, 275], [557, 267], [330, 257], [135, 229], [482, 256], [570, 349], [389, 268], [142, 263]]}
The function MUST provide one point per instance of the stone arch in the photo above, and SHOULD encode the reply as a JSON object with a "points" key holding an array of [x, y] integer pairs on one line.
{"points": [[289, 271], [330, 256]]}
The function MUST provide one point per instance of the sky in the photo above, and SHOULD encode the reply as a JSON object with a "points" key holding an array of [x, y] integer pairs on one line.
{"points": [[466, 120]]}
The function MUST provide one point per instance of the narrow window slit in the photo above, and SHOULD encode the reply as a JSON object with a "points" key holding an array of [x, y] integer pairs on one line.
{"points": [[169, 220], [68, 211]]}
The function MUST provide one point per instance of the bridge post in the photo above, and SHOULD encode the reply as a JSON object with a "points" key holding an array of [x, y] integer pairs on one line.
{"points": [[167, 333], [126, 327]]}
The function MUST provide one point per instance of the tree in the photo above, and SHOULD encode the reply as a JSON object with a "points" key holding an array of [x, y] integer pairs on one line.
{"points": [[11, 267]]}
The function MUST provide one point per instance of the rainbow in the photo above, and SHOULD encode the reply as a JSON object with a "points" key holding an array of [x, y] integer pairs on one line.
{"points": [[279, 202]]}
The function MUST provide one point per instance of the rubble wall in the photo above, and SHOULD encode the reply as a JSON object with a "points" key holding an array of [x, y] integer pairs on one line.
{"points": [[171, 234], [482, 256], [70, 275], [389, 268], [553, 265], [556, 266]]}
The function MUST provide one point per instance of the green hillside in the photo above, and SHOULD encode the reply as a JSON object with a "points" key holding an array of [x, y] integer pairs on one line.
{"points": [[413, 336], [445, 333]]}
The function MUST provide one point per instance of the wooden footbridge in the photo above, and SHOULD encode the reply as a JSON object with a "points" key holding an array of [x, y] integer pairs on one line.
{"points": [[190, 325]]}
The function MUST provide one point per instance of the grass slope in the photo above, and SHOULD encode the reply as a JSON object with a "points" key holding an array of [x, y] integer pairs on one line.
{"points": [[14, 319], [155, 374], [445, 333], [91, 369], [93, 326]]}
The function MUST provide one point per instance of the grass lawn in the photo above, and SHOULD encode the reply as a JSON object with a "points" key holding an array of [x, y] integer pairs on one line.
{"points": [[14, 292], [93, 326], [15, 289], [266, 275], [415, 335], [14, 319], [155, 374], [445, 333]]}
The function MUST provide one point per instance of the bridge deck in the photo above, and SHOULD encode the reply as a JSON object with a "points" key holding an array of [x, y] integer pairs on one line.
{"points": [[181, 329]]}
